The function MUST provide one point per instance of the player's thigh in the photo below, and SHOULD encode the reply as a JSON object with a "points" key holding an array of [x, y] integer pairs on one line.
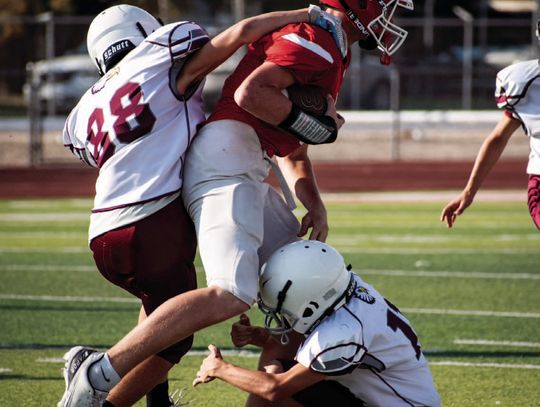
{"points": [[229, 223], [280, 225], [324, 393], [151, 258], [165, 246]]}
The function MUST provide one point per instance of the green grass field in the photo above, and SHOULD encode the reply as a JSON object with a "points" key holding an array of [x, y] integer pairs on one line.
{"points": [[472, 294]]}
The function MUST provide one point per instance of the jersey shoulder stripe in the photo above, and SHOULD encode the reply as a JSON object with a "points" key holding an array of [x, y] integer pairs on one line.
{"points": [[514, 81], [309, 45]]}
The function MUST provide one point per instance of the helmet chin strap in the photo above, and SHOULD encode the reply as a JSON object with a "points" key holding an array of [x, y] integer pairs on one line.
{"points": [[386, 59]]}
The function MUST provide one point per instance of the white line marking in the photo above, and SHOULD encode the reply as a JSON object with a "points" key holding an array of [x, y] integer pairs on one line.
{"points": [[5, 370], [134, 300], [45, 250], [255, 354], [373, 272], [474, 313], [452, 274], [56, 298], [403, 250], [496, 343], [44, 268], [44, 217], [44, 235], [496, 365], [342, 248]]}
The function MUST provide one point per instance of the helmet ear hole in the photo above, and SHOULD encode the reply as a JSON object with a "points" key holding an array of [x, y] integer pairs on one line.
{"points": [[307, 313]]}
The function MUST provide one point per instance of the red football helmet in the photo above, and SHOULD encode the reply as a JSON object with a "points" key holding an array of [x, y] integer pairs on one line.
{"points": [[373, 18]]}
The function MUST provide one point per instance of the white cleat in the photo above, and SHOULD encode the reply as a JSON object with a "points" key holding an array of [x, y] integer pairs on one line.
{"points": [[79, 391]]}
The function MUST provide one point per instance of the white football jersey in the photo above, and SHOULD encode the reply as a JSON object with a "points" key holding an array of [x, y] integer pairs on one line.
{"points": [[368, 346], [134, 126], [518, 91]]}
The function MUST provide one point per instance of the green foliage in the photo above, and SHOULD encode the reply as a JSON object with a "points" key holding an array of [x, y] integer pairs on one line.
{"points": [[453, 285]]}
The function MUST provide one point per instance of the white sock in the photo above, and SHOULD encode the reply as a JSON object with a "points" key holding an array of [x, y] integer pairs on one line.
{"points": [[102, 375]]}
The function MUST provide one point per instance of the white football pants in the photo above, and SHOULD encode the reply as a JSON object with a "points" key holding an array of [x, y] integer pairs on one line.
{"points": [[240, 220]]}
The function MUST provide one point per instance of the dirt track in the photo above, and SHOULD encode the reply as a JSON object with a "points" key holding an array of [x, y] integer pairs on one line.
{"points": [[78, 180]]}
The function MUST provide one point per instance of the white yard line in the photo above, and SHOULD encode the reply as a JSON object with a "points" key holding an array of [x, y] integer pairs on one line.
{"points": [[44, 217], [451, 274], [73, 249], [484, 342], [490, 365], [481, 313], [5, 370], [254, 354], [46, 268], [373, 272], [56, 298], [473, 313], [420, 251]]}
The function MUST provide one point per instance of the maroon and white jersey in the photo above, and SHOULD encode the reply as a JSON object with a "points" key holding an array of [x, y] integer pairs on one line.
{"points": [[368, 346], [308, 52], [518, 92], [134, 126]]}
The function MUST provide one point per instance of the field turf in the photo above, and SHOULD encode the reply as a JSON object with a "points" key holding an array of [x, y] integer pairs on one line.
{"points": [[472, 294]]}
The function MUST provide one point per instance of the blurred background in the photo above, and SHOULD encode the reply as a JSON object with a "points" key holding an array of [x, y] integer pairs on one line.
{"points": [[438, 90]]}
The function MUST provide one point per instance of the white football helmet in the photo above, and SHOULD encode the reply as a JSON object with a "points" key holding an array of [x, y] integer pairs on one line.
{"points": [[116, 31], [301, 284]]}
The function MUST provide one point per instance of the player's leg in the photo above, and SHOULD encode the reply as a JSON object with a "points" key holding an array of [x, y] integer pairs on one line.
{"points": [[224, 196], [534, 198], [152, 259]]}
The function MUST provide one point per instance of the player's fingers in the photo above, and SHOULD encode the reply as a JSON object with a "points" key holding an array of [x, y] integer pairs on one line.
{"points": [[304, 226], [214, 351], [244, 320]]}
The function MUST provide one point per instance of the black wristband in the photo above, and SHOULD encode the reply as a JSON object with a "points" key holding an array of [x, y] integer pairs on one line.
{"points": [[310, 128]]}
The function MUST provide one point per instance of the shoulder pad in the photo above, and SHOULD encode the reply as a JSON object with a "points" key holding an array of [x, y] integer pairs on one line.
{"points": [[513, 82], [335, 347]]}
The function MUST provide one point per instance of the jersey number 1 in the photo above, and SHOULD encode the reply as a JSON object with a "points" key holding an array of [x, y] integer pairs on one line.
{"points": [[133, 120], [395, 322]]}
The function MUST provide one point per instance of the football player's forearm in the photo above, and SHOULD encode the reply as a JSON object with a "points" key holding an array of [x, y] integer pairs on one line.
{"points": [[253, 28], [490, 152], [223, 45], [261, 384]]}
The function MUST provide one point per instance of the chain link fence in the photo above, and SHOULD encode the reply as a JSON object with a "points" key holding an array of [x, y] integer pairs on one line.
{"points": [[445, 64]]}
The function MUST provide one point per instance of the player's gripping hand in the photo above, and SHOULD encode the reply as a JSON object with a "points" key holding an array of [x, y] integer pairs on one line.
{"points": [[243, 333], [212, 362], [330, 23], [332, 112]]}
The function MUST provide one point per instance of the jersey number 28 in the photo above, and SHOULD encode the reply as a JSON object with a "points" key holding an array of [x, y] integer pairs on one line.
{"points": [[133, 120]]}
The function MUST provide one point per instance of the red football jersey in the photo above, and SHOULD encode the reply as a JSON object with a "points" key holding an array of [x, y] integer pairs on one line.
{"points": [[311, 56]]}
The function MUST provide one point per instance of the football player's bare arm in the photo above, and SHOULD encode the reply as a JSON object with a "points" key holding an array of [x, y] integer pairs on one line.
{"points": [[222, 46], [487, 156], [298, 171], [269, 386], [261, 93]]}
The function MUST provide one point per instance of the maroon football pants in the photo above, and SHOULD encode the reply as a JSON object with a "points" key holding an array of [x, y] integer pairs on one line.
{"points": [[153, 260], [534, 199]]}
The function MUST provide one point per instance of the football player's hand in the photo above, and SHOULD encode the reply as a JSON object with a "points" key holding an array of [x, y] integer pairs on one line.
{"points": [[456, 207], [317, 220], [243, 333], [332, 112], [212, 362], [331, 24]]}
